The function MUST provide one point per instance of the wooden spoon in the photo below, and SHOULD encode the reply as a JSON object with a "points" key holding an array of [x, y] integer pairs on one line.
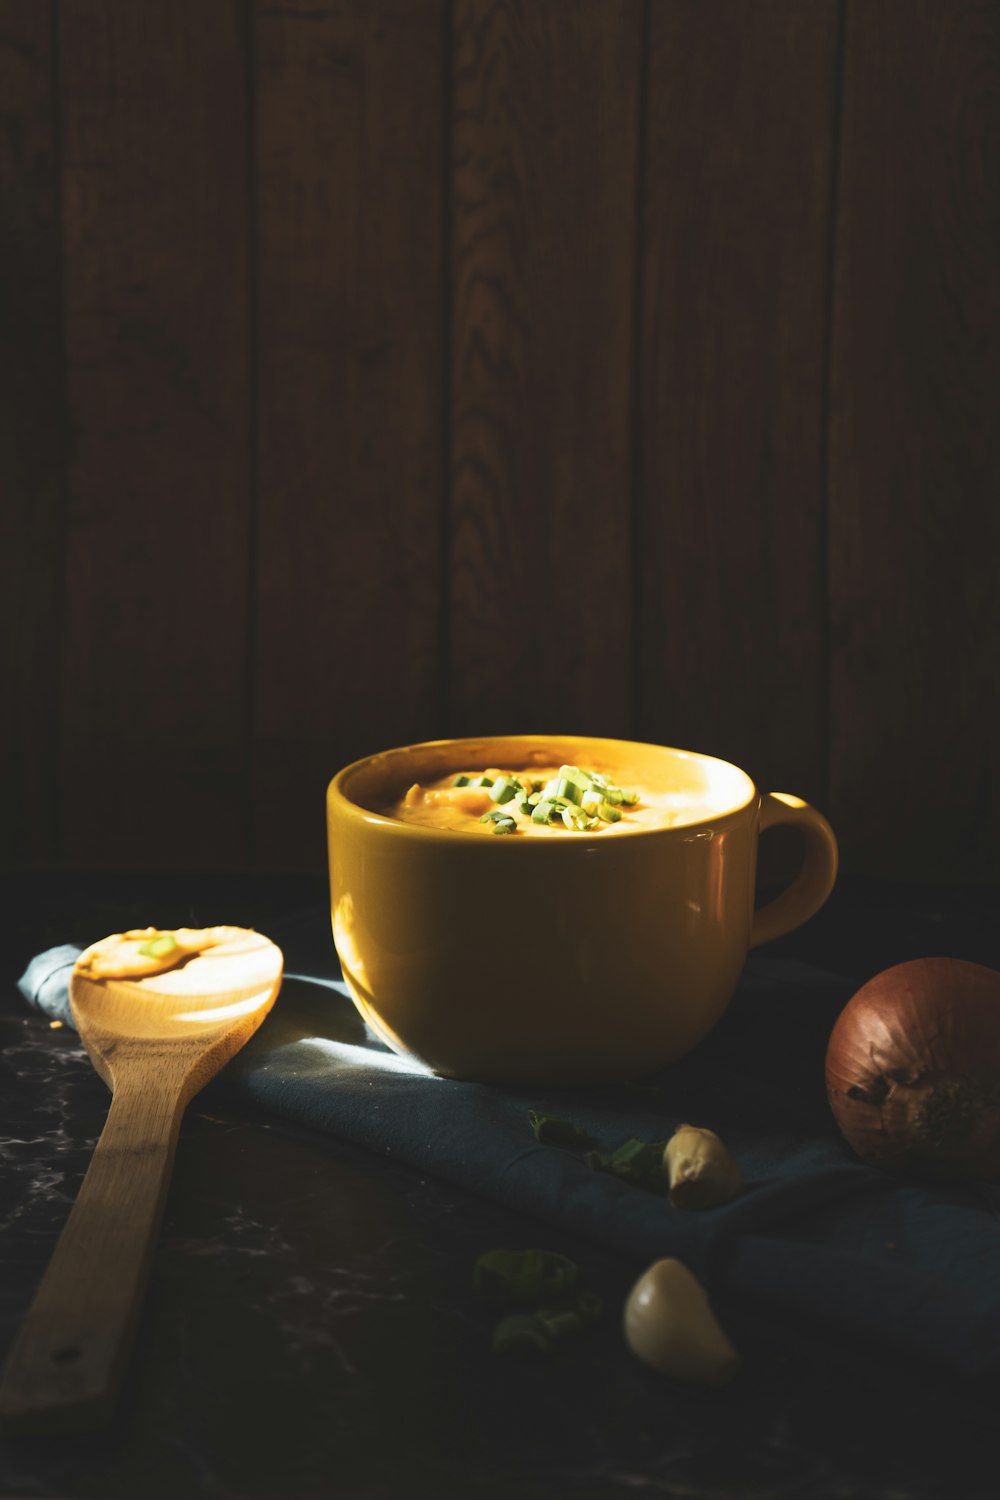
{"points": [[155, 1041]]}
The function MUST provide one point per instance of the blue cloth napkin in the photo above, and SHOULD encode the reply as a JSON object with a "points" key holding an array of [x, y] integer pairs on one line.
{"points": [[817, 1241]]}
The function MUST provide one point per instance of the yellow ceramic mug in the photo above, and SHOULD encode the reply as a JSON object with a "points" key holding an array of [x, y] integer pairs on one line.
{"points": [[572, 958]]}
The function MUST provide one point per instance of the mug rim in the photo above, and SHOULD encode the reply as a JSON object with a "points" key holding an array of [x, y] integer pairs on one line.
{"points": [[336, 791]]}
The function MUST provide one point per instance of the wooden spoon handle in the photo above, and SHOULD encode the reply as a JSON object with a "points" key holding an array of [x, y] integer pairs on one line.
{"points": [[67, 1360]]}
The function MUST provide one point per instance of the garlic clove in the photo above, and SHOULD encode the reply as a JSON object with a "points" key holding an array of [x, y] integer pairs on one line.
{"points": [[670, 1326], [700, 1171]]}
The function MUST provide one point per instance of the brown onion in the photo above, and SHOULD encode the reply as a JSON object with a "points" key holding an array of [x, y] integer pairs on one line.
{"points": [[913, 1069]]}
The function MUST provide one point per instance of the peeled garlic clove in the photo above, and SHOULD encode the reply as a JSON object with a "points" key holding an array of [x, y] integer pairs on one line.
{"points": [[670, 1326], [699, 1169]]}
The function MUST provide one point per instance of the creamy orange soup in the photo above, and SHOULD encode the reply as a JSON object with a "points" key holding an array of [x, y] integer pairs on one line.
{"points": [[462, 803]]}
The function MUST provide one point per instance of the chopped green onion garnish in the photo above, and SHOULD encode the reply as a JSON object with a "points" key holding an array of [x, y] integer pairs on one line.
{"points": [[159, 947], [502, 821], [575, 799], [575, 775]]}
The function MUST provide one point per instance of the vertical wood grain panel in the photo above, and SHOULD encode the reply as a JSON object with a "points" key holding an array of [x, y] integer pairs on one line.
{"points": [[32, 436], [737, 194], [545, 142], [350, 156], [915, 442], [155, 216]]}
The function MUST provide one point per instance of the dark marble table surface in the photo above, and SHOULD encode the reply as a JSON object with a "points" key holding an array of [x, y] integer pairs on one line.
{"points": [[310, 1328]]}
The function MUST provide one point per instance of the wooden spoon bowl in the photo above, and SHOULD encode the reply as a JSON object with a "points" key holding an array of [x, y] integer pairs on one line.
{"points": [[156, 1042]]}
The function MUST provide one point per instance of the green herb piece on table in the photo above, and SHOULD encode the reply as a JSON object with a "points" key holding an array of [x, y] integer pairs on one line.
{"points": [[515, 1277], [521, 1331], [589, 1306], [550, 1128], [159, 947], [540, 1330], [640, 1162]]}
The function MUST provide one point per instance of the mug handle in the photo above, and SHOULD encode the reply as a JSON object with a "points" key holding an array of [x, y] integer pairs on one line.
{"points": [[814, 881]]}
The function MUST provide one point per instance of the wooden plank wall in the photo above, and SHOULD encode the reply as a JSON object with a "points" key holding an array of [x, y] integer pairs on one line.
{"points": [[152, 107], [372, 370], [733, 365], [349, 500], [34, 439], [544, 169], [914, 528]]}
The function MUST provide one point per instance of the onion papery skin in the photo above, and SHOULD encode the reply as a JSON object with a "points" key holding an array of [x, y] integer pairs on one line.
{"points": [[913, 1070]]}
